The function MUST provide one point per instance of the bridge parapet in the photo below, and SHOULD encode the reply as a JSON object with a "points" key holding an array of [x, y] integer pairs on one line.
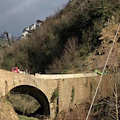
{"points": [[64, 76]]}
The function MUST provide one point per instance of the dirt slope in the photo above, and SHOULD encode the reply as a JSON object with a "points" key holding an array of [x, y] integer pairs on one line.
{"points": [[6, 111], [98, 58], [77, 112]]}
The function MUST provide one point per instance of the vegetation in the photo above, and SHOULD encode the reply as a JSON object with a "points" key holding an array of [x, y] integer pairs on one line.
{"points": [[103, 109], [61, 45], [23, 104], [54, 96], [72, 93], [21, 117], [64, 40]]}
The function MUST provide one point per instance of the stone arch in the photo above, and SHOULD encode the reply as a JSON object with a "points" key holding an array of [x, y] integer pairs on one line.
{"points": [[37, 94]]}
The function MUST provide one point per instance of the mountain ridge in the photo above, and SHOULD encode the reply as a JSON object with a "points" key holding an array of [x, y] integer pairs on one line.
{"points": [[3, 36]]}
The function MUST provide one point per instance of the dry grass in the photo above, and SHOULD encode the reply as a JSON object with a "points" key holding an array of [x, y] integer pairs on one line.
{"points": [[77, 112]]}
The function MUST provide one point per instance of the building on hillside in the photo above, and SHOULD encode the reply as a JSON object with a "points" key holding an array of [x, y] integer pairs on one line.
{"points": [[27, 31]]}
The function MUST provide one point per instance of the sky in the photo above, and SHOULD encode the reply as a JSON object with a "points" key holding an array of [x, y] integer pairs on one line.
{"points": [[15, 15]]}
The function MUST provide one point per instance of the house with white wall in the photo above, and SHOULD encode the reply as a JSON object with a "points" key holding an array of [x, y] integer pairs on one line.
{"points": [[26, 31]]}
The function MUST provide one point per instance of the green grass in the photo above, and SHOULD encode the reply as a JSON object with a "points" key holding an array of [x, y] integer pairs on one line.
{"points": [[22, 117]]}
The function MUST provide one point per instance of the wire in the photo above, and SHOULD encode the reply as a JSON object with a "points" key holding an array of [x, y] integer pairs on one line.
{"points": [[102, 74]]}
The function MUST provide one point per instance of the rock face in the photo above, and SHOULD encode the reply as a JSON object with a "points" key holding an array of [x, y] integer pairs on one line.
{"points": [[98, 59], [7, 112]]}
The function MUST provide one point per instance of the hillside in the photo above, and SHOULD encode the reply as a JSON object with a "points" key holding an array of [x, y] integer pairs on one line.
{"points": [[98, 58], [6, 111], [75, 39]]}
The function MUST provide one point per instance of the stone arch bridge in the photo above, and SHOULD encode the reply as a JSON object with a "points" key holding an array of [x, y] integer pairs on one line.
{"points": [[71, 88]]}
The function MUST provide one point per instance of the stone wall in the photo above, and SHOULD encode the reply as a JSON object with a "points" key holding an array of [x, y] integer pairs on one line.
{"points": [[71, 89], [76, 91]]}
